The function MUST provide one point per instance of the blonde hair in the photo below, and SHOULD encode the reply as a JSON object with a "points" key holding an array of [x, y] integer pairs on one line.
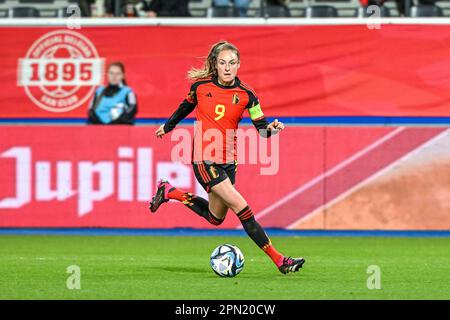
{"points": [[209, 66]]}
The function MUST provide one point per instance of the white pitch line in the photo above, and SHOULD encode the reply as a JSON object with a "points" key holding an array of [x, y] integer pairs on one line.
{"points": [[366, 181], [330, 172]]}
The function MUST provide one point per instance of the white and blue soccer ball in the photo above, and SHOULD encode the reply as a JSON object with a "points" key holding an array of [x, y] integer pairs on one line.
{"points": [[227, 260]]}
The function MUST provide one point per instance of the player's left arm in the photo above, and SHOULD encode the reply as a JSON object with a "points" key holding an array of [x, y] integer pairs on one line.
{"points": [[260, 122]]}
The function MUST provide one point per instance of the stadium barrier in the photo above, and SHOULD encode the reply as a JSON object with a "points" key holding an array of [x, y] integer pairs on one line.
{"points": [[388, 178], [310, 67], [384, 178]]}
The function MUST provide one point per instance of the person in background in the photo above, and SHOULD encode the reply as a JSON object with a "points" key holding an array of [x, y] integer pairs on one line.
{"points": [[116, 103], [110, 7], [127, 8], [143, 8], [283, 3], [240, 5], [165, 8], [85, 7], [401, 4]]}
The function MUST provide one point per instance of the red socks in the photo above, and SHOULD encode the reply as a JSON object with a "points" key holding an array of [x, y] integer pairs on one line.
{"points": [[176, 194], [276, 257]]}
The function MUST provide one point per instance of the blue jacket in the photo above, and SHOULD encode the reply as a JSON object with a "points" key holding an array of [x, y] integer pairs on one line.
{"points": [[117, 105]]}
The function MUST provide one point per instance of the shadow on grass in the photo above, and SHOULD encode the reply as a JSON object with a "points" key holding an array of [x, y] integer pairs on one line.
{"points": [[210, 274], [180, 269]]}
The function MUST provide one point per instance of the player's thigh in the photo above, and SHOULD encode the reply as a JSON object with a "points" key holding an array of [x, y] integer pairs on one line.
{"points": [[217, 206], [229, 195]]}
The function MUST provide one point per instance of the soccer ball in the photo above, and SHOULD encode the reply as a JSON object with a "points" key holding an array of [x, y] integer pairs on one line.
{"points": [[227, 260]]}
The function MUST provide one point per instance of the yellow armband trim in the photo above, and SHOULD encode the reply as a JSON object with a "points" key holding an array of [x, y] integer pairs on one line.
{"points": [[255, 112]]}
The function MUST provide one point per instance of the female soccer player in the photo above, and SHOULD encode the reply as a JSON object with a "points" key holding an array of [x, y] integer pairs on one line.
{"points": [[221, 98]]}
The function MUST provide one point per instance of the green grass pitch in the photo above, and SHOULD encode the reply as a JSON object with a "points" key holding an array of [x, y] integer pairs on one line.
{"points": [[151, 267]]}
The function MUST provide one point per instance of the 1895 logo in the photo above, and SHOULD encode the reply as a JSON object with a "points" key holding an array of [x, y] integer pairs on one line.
{"points": [[60, 71]]}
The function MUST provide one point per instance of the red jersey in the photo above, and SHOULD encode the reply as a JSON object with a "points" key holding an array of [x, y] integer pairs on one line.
{"points": [[219, 109]]}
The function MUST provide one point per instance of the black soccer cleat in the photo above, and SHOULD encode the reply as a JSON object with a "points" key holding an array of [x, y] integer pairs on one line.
{"points": [[160, 196], [291, 265]]}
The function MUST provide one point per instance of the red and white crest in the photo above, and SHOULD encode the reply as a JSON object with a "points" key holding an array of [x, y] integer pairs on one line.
{"points": [[60, 71]]}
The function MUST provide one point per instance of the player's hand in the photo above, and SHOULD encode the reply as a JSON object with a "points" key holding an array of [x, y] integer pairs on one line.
{"points": [[276, 126], [160, 132]]}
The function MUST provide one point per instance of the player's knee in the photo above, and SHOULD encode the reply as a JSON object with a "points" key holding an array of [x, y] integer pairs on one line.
{"points": [[238, 205]]}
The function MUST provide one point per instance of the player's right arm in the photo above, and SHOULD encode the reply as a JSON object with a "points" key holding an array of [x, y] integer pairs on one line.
{"points": [[260, 122], [184, 109]]}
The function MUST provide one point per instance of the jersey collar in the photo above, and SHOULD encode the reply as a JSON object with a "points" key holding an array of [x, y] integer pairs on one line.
{"points": [[236, 84]]}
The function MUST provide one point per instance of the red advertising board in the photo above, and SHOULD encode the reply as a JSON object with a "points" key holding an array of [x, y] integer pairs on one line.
{"points": [[325, 178], [297, 70]]}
